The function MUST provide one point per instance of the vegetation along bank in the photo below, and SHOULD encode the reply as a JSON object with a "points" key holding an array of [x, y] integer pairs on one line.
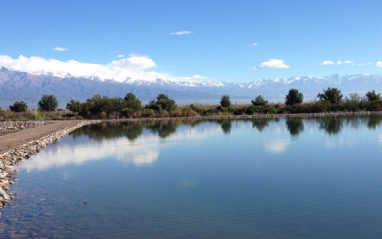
{"points": [[330, 100]]}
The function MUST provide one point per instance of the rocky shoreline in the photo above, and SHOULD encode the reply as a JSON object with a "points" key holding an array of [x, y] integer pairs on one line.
{"points": [[13, 157], [12, 126]]}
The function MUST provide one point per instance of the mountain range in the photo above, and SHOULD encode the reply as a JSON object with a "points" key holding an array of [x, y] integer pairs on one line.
{"points": [[17, 86]]}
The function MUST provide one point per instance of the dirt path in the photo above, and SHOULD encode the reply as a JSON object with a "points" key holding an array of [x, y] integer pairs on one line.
{"points": [[16, 139]]}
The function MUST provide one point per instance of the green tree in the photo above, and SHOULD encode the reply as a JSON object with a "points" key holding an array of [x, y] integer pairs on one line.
{"points": [[112, 105], [333, 95], [152, 105], [93, 105], [373, 96], [19, 106], [102, 107], [259, 101], [294, 97], [131, 102], [165, 102], [48, 103], [225, 101], [352, 102], [74, 106]]}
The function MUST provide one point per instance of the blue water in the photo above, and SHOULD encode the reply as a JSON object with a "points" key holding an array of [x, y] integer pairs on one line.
{"points": [[277, 178]]}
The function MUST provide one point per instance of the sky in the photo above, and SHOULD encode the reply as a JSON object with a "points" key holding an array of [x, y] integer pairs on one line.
{"points": [[219, 40]]}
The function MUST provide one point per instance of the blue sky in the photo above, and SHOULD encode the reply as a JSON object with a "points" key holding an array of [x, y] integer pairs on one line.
{"points": [[199, 40]]}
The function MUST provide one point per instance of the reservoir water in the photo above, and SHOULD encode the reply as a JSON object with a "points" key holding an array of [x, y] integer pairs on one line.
{"points": [[260, 178]]}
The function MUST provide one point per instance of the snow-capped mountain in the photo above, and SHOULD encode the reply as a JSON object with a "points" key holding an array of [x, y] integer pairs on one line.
{"points": [[16, 86]]}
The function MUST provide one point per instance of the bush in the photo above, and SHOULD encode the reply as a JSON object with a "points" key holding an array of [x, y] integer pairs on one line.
{"points": [[148, 113], [223, 110], [272, 109], [185, 111], [293, 97], [333, 95], [374, 105], [225, 101], [48, 103], [199, 110], [35, 115], [19, 106]]}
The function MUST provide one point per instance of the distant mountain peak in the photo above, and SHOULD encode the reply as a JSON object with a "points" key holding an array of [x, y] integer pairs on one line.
{"points": [[17, 85]]}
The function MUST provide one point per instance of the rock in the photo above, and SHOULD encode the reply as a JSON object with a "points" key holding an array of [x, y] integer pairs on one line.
{"points": [[20, 125]]}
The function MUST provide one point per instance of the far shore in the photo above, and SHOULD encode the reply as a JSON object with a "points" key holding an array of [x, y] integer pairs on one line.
{"points": [[18, 137], [255, 116]]}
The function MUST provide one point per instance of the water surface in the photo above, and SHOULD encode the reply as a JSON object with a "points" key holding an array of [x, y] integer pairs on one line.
{"points": [[262, 178]]}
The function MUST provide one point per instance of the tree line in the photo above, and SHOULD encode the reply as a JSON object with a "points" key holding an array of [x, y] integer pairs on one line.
{"points": [[330, 100]]}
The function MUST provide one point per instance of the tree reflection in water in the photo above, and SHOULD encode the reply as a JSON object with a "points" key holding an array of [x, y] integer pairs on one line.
{"points": [[295, 126], [132, 131], [331, 125], [261, 123], [165, 128], [374, 121], [226, 125]]}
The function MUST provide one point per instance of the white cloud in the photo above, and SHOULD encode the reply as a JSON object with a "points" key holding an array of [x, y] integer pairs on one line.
{"points": [[338, 63], [181, 33], [254, 44], [327, 63], [379, 63], [272, 64], [60, 49], [120, 56], [131, 68], [194, 77], [133, 62]]}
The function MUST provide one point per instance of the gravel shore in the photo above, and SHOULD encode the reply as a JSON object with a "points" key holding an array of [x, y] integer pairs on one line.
{"points": [[18, 133]]}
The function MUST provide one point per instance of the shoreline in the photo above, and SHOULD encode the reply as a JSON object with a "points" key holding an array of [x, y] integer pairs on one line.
{"points": [[255, 116]]}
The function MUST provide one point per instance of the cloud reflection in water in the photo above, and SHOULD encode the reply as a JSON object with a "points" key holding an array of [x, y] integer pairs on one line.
{"points": [[276, 146], [135, 152], [142, 151]]}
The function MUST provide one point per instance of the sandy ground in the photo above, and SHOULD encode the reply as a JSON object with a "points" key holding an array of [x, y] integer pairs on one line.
{"points": [[16, 139]]}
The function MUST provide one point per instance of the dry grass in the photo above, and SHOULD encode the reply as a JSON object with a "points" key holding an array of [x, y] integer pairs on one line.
{"points": [[6, 115]]}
